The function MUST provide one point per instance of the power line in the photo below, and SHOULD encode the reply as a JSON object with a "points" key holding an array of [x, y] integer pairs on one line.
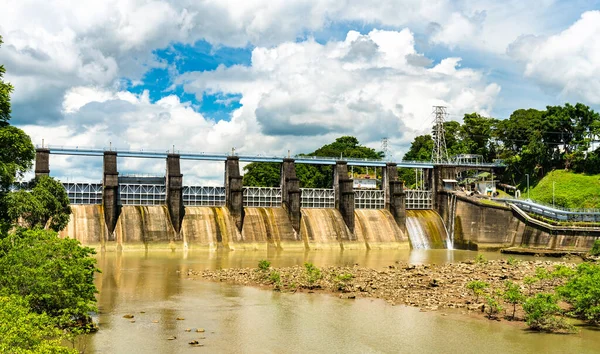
{"points": [[440, 153]]}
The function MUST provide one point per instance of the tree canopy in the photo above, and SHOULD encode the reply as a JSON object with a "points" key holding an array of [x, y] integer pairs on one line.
{"points": [[310, 176], [5, 91]]}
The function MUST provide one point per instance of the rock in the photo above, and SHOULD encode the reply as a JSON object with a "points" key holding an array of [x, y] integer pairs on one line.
{"points": [[194, 342], [155, 321], [132, 321], [180, 318], [188, 329], [172, 338], [200, 330], [128, 316]]}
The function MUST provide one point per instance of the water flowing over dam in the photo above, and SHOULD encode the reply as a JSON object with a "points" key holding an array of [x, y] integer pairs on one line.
{"points": [[426, 230], [215, 228]]}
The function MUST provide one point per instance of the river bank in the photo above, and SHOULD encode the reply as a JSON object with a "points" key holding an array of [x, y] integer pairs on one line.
{"points": [[429, 287]]}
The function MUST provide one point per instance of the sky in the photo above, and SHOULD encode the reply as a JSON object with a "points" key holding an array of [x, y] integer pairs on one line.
{"points": [[272, 76]]}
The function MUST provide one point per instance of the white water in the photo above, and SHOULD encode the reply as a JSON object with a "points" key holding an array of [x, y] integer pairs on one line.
{"points": [[426, 230], [417, 234], [450, 224]]}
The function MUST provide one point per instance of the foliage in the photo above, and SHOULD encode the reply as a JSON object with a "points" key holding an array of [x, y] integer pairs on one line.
{"points": [[16, 155], [542, 314], [480, 259], [571, 190], [313, 274], [269, 174], [263, 264], [512, 261], [513, 295], [342, 280], [493, 305], [582, 291], [24, 331], [561, 271], [595, 251], [54, 275], [46, 205], [5, 90], [478, 287], [529, 281], [542, 274], [275, 279]]}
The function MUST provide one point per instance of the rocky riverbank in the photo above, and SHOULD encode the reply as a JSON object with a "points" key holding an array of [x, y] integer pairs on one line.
{"points": [[429, 287]]}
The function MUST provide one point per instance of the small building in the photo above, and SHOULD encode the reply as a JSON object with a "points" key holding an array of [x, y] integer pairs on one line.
{"points": [[450, 184]]}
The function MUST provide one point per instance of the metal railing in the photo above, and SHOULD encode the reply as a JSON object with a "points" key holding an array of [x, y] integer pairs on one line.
{"points": [[203, 196], [369, 199], [84, 193], [554, 213], [142, 194], [189, 155], [317, 198], [268, 197], [418, 199]]}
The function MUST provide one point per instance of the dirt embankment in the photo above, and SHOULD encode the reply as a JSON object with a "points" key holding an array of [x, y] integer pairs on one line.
{"points": [[430, 287]]}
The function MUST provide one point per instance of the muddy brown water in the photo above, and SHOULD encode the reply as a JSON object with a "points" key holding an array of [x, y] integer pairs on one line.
{"points": [[155, 288]]}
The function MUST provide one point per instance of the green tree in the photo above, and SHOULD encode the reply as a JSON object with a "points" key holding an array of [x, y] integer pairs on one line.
{"points": [[5, 90], [542, 314], [24, 331], [45, 205], [269, 174], [54, 275], [582, 291], [513, 295]]}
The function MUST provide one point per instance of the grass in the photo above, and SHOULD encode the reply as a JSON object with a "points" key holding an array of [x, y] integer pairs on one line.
{"points": [[571, 190]]}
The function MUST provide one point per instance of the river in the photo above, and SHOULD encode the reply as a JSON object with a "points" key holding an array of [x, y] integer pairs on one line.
{"points": [[155, 288]]}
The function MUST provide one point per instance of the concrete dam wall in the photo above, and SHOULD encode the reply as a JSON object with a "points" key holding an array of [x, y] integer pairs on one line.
{"points": [[214, 228], [478, 225]]}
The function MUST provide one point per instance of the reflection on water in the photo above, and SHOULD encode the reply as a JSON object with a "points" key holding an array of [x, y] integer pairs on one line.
{"points": [[155, 288]]}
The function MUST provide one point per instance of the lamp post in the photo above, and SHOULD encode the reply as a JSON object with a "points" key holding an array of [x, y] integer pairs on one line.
{"points": [[527, 174], [553, 182]]}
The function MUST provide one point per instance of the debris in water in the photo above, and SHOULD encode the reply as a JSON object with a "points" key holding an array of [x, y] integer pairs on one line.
{"points": [[200, 330], [188, 329], [180, 318], [128, 316], [172, 338]]}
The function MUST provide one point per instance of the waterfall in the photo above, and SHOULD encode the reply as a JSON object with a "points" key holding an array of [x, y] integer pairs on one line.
{"points": [[426, 229], [450, 223]]}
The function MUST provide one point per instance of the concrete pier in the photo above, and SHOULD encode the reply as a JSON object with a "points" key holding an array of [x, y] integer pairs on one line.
{"points": [[174, 189], [110, 193], [398, 203], [290, 192], [344, 194], [234, 191], [389, 174], [42, 162]]}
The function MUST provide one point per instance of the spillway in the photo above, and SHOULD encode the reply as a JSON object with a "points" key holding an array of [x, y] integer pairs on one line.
{"points": [[214, 228], [426, 229]]}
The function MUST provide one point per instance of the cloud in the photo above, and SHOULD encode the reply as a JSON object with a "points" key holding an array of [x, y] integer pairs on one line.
{"points": [[295, 96], [568, 63]]}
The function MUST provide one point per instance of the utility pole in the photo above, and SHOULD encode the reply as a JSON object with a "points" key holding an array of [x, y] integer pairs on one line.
{"points": [[385, 148], [440, 153]]}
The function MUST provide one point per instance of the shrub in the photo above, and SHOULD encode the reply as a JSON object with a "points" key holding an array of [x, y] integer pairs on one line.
{"points": [[263, 264], [582, 291], [478, 287], [513, 295], [493, 306], [595, 251], [512, 261], [561, 271], [313, 274], [275, 279], [541, 314], [480, 259], [342, 280], [529, 281]]}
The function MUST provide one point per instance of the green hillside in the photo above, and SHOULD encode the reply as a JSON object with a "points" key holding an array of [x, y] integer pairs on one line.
{"points": [[571, 190]]}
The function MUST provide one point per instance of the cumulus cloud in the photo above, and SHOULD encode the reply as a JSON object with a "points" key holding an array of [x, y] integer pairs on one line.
{"points": [[295, 96], [567, 63]]}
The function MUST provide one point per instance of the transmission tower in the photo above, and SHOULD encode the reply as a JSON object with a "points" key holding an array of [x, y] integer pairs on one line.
{"points": [[385, 148], [440, 154]]}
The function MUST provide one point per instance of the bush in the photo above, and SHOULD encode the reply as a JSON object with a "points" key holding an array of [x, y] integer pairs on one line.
{"points": [[55, 276], [263, 264], [513, 295], [478, 287], [313, 274], [541, 314], [493, 306], [595, 251], [480, 259], [275, 279], [342, 280], [512, 261], [582, 291], [24, 331]]}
